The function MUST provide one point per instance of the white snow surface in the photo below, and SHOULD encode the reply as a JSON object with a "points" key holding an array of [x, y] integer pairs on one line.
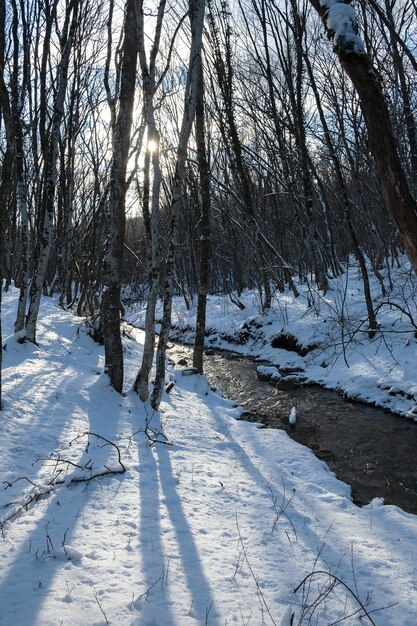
{"points": [[218, 527], [268, 371]]}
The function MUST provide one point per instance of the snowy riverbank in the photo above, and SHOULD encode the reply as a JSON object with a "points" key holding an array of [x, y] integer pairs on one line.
{"points": [[324, 336]]}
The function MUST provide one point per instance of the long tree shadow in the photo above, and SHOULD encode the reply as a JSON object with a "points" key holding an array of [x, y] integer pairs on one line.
{"points": [[41, 554], [203, 607], [154, 560], [48, 382], [336, 544]]}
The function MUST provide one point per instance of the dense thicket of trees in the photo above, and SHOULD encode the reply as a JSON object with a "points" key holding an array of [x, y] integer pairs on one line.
{"points": [[136, 138]]}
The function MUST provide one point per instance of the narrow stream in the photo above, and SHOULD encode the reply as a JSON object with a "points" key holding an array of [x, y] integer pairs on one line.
{"points": [[372, 450]]}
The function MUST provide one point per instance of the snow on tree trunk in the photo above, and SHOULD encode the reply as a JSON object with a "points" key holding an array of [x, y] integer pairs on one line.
{"points": [[340, 22]]}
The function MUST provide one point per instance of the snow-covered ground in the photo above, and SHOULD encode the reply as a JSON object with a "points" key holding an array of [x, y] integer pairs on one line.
{"points": [[379, 370], [218, 524]]}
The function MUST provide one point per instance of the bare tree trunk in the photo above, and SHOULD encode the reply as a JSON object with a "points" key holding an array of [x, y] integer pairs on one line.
{"points": [[196, 16], [382, 145], [203, 279], [50, 177], [410, 122], [68, 168], [110, 304], [312, 239], [150, 201], [339, 175], [17, 103], [7, 168]]}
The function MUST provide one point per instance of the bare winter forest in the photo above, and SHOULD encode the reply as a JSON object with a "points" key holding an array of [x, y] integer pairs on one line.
{"points": [[152, 149], [239, 175]]}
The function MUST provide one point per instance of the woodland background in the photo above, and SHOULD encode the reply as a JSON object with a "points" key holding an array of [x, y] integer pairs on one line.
{"points": [[152, 149]]}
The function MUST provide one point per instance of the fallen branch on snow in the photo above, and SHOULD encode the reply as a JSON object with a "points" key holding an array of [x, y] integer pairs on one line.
{"points": [[58, 479]]}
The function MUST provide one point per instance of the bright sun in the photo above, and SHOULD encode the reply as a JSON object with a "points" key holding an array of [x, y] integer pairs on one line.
{"points": [[152, 145]]}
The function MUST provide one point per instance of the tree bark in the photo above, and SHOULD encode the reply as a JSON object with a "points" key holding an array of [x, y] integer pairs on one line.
{"points": [[110, 304], [203, 279], [196, 15], [17, 105], [7, 168], [410, 123], [150, 199], [382, 145], [50, 178]]}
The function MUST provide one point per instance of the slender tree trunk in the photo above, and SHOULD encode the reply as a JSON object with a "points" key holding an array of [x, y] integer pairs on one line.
{"points": [[153, 263], [68, 167], [203, 279], [50, 177], [110, 304], [196, 16], [17, 103], [151, 199], [382, 144], [410, 122], [7, 168], [339, 175]]}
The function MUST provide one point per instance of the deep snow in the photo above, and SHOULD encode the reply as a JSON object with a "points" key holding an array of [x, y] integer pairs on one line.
{"points": [[215, 526]]}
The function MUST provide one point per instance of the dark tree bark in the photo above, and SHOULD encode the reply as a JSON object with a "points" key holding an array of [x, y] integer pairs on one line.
{"points": [[7, 166], [110, 304], [382, 145], [17, 105], [204, 172], [346, 200], [410, 123], [312, 238]]}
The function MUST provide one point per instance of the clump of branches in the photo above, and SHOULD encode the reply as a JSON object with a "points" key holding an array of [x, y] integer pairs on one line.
{"points": [[317, 586], [59, 477]]}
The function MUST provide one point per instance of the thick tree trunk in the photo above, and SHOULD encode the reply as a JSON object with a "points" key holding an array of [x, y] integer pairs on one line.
{"points": [[110, 304], [382, 145]]}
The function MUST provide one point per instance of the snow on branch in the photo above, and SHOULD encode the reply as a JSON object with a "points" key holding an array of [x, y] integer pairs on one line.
{"points": [[342, 26]]}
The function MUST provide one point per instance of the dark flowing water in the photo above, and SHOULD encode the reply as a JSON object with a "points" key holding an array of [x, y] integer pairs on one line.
{"points": [[372, 450]]}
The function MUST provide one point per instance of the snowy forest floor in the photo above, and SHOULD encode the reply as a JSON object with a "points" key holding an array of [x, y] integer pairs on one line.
{"points": [[220, 522]]}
